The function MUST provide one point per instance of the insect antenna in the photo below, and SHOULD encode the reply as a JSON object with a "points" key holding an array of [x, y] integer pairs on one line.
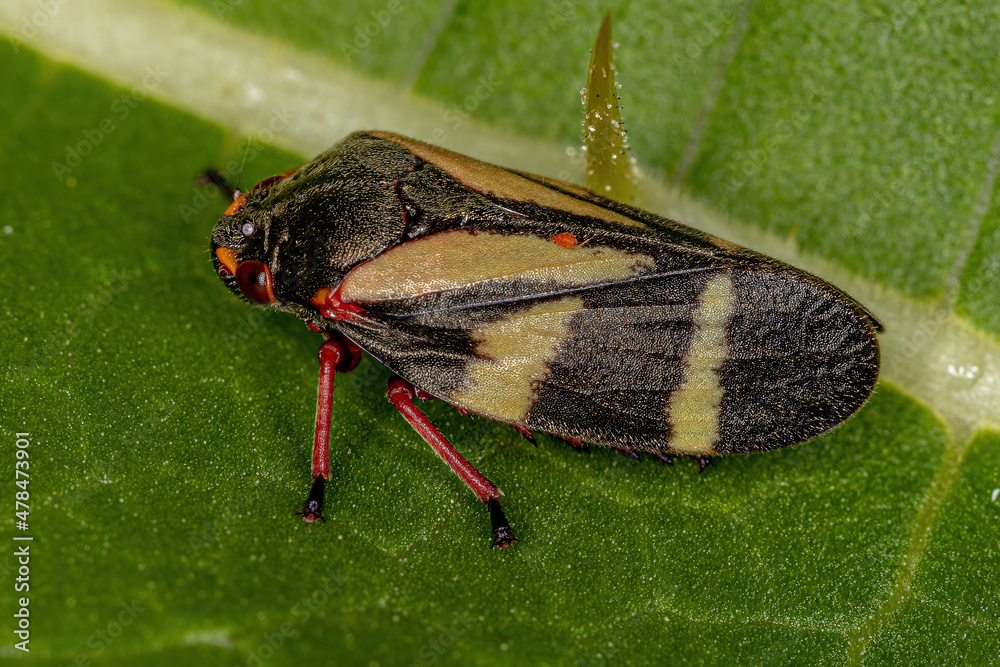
{"points": [[243, 163]]}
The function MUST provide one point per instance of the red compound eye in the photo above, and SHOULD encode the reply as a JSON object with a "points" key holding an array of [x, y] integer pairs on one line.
{"points": [[254, 279]]}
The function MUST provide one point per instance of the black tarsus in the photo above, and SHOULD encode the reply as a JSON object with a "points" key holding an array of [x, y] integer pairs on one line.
{"points": [[313, 511], [526, 434], [502, 535]]}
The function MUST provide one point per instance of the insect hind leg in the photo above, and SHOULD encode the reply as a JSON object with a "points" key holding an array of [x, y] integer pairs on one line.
{"points": [[401, 394]]}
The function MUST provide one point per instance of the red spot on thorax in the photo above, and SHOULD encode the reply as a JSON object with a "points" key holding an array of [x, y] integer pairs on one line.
{"points": [[332, 307]]}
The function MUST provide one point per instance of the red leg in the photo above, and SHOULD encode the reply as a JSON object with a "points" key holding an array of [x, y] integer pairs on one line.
{"points": [[335, 354], [401, 394]]}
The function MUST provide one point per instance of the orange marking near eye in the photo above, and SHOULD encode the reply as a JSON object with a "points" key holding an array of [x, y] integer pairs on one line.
{"points": [[566, 240], [227, 257], [236, 205]]}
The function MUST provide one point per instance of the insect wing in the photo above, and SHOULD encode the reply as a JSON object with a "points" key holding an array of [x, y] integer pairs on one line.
{"points": [[641, 334]]}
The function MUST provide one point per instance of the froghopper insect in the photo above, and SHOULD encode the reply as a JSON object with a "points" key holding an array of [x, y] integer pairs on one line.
{"points": [[537, 303]]}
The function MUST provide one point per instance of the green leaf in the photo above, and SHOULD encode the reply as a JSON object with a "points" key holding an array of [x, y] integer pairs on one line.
{"points": [[170, 425]]}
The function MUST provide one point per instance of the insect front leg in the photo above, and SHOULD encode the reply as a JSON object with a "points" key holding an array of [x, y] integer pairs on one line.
{"points": [[401, 394], [336, 354]]}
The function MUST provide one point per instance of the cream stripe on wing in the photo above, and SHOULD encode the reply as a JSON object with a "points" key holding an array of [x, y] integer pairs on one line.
{"points": [[460, 259], [516, 354], [693, 408]]}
